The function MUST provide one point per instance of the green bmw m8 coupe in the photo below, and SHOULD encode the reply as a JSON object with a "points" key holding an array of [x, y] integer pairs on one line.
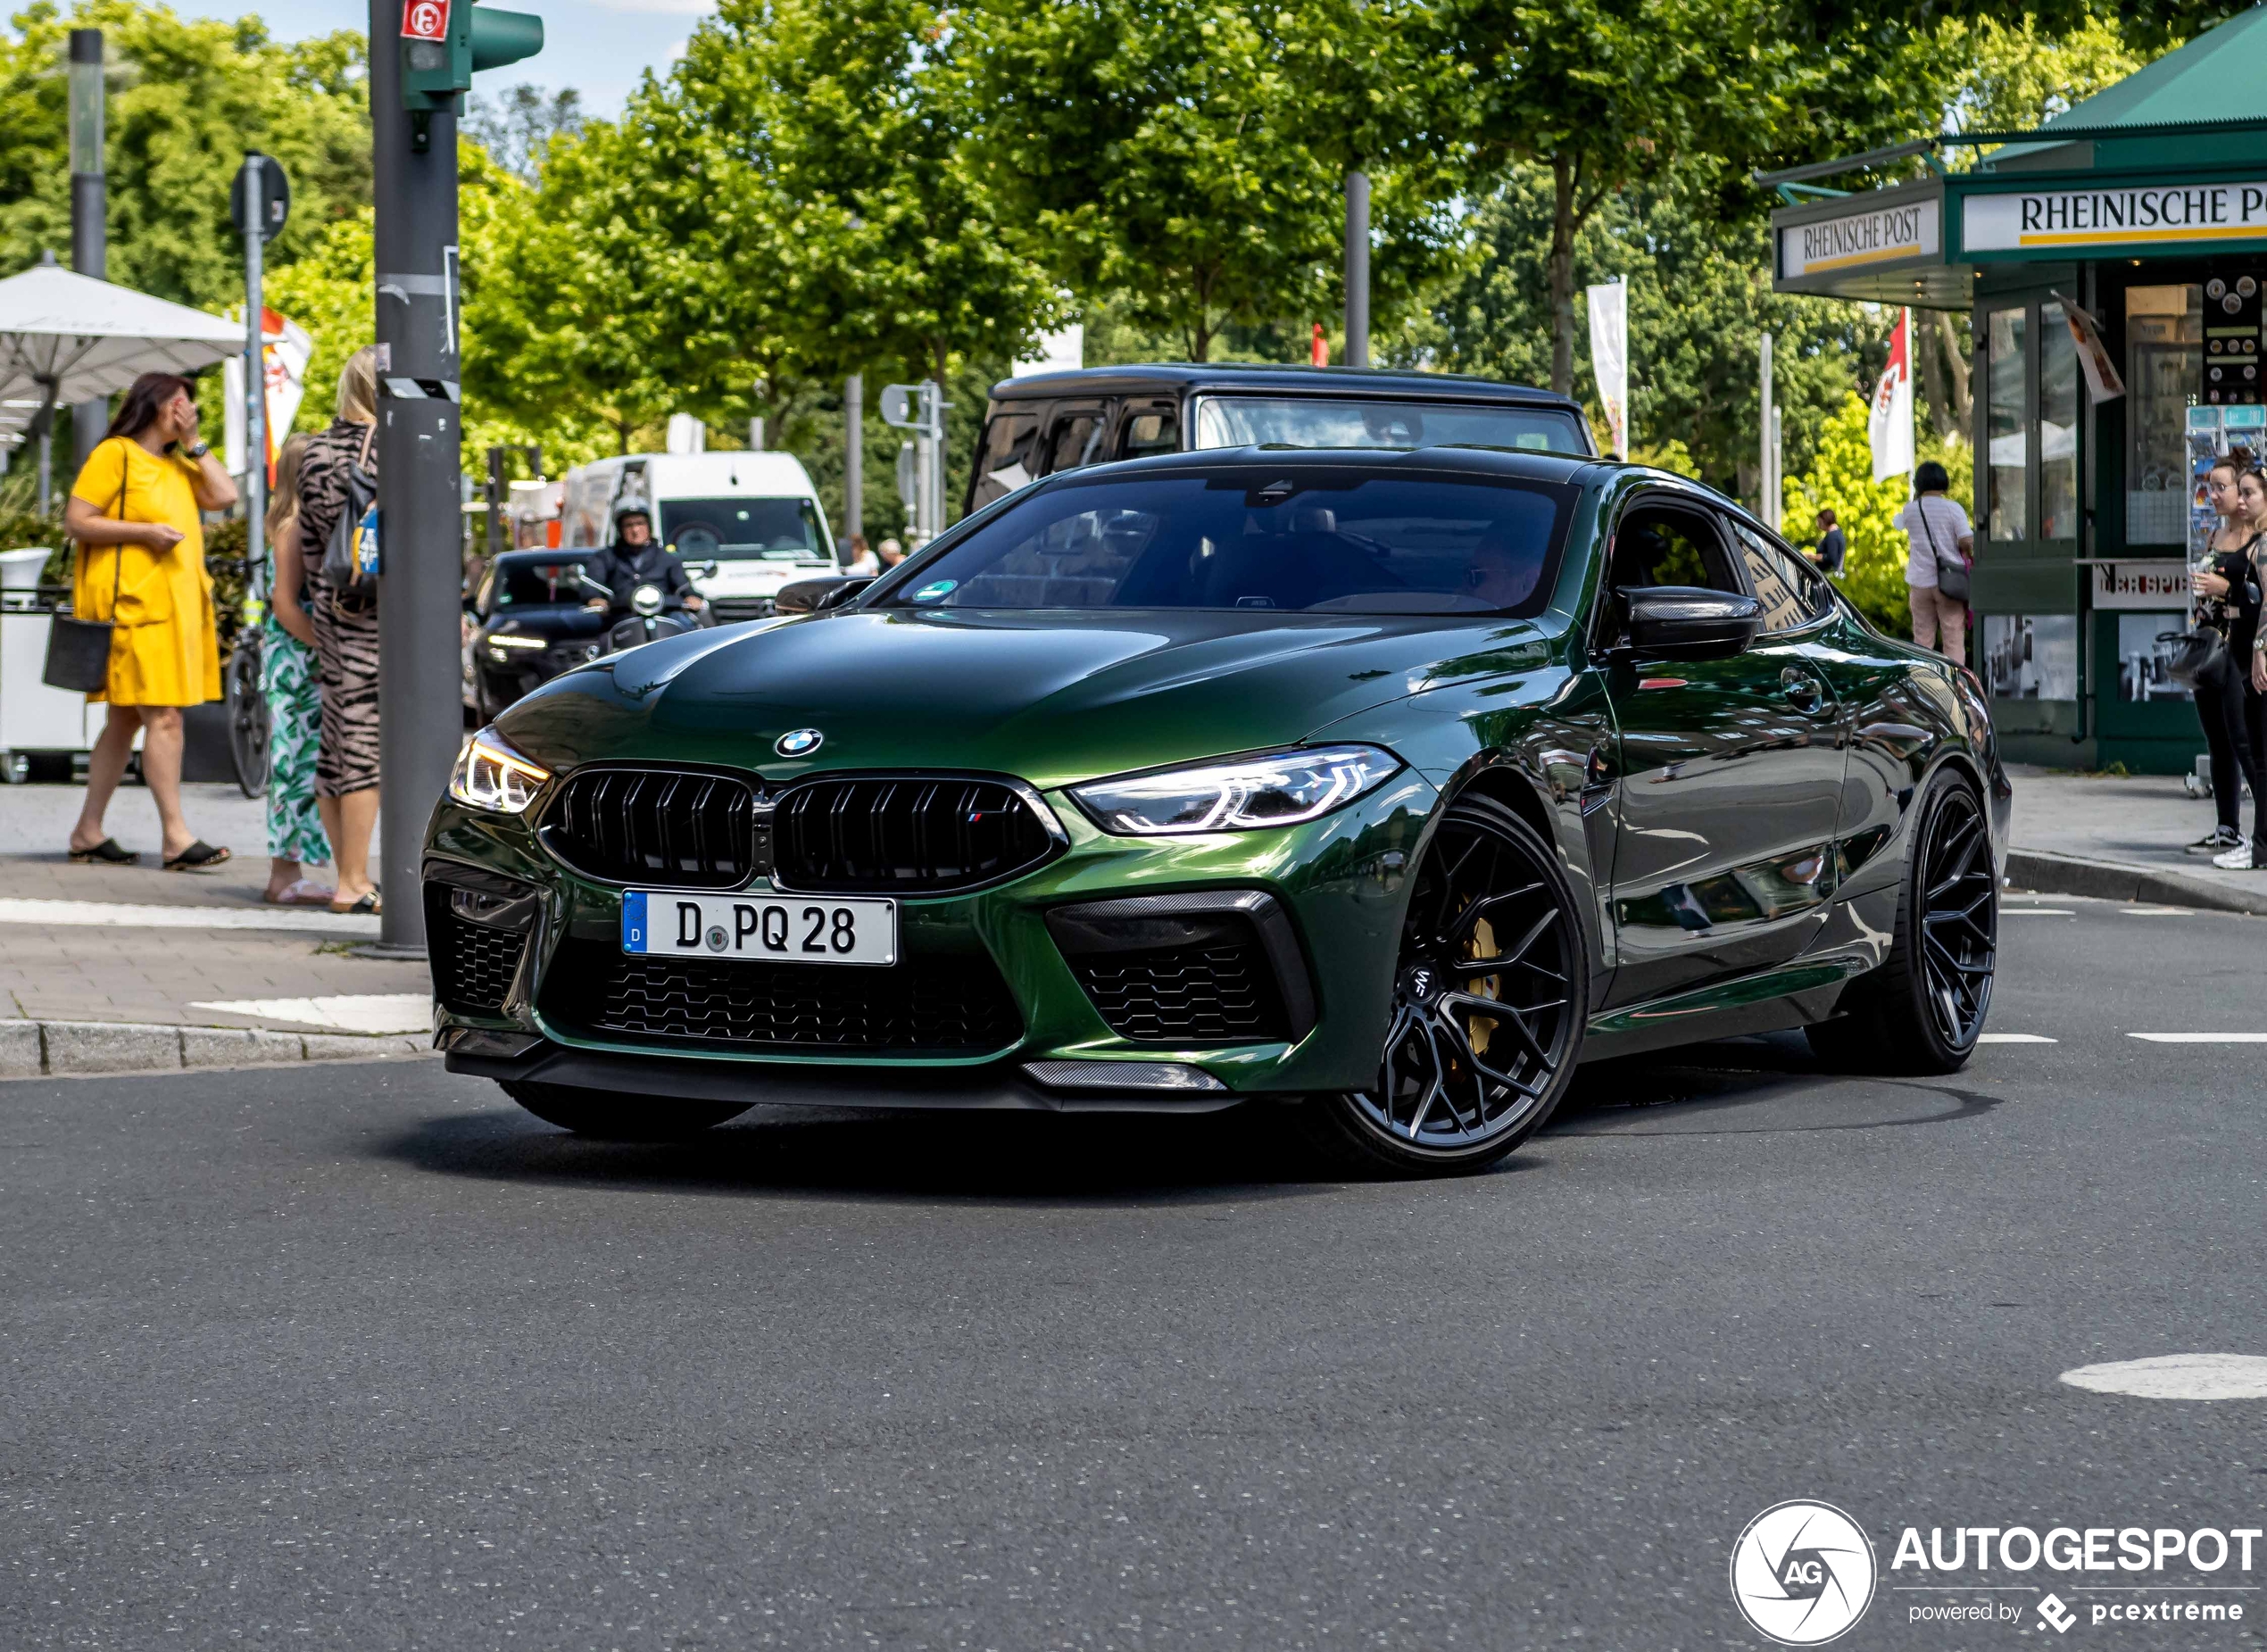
{"points": [[1375, 789]]}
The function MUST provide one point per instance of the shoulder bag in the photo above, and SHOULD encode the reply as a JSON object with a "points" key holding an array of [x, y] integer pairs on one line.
{"points": [[352, 590], [1952, 576], [78, 650], [2201, 660]]}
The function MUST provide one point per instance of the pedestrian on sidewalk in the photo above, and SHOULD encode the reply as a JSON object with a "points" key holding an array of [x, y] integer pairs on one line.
{"points": [[892, 554], [2227, 589], [862, 559], [289, 682], [1832, 546], [134, 512], [1939, 539], [346, 626]]}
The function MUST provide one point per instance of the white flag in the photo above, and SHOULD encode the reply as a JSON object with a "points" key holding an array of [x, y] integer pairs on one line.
{"points": [[1890, 427], [1610, 357]]}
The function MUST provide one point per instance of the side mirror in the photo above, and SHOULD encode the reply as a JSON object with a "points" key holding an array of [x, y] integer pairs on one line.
{"points": [[1689, 622], [817, 596]]}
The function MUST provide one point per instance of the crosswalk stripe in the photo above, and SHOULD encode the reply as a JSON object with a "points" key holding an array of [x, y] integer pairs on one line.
{"points": [[2200, 1038], [2013, 1038]]}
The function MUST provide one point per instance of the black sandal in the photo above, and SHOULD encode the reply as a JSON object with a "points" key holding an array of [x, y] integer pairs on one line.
{"points": [[105, 853], [198, 857], [370, 905]]}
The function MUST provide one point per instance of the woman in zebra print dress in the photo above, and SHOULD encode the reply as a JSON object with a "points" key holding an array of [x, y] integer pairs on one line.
{"points": [[345, 639]]}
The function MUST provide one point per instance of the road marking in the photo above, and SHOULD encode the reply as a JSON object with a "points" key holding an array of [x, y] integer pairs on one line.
{"points": [[2037, 911], [2013, 1038], [366, 1012], [2178, 1377], [106, 915], [2158, 912], [2200, 1038]]}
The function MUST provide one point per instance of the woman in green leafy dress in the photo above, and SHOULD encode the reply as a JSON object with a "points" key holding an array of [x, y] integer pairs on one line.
{"points": [[288, 680]]}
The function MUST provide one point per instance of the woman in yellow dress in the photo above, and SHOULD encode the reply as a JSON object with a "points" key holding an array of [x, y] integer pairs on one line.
{"points": [[141, 566]]}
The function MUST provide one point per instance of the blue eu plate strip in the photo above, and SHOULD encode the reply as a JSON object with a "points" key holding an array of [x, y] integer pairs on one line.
{"points": [[633, 922]]}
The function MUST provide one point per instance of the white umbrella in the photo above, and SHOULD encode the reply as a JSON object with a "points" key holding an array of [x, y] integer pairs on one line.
{"points": [[66, 338]]}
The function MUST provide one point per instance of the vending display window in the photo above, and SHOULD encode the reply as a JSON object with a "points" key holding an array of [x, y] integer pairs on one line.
{"points": [[2057, 424], [2006, 366], [2164, 379]]}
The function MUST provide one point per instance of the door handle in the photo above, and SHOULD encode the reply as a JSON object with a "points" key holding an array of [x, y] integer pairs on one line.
{"points": [[1801, 689]]}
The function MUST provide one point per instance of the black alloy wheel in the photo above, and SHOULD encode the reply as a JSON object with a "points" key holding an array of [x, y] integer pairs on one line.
{"points": [[1923, 1010], [248, 716], [1490, 994]]}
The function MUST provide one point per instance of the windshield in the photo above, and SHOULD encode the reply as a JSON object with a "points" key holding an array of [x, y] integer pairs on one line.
{"points": [[777, 530], [1303, 540], [537, 583], [1313, 421]]}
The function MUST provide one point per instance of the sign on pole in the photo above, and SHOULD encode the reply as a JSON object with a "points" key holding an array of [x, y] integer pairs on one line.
{"points": [[1610, 357]]}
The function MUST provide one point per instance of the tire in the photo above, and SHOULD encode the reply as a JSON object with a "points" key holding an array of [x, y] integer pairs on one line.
{"points": [[1923, 1010], [606, 1118], [1489, 890], [247, 717]]}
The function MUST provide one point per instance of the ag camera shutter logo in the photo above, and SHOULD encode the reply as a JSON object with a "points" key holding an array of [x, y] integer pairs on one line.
{"points": [[1803, 1573]]}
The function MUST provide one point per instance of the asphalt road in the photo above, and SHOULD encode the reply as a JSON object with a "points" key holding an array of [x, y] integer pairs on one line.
{"points": [[364, 1358]]}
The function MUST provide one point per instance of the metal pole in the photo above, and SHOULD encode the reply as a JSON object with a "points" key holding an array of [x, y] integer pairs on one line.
{"points": [[89, 205], [420, 471], [854, 455], [256, 378], [496, 492], [1763, 425], [1357, 269], [1774, 500]]}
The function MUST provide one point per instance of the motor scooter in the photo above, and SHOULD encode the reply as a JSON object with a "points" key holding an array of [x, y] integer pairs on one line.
{"points": [[651, 617]]}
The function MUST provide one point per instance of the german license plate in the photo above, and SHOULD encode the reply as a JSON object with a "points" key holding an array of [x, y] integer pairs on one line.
{"points": [[751, 928]]}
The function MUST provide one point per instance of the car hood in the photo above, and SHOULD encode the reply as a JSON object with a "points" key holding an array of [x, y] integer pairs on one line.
{"points": [[1026, 695]]}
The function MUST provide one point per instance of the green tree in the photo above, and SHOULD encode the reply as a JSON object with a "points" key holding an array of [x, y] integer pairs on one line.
{"points": [[187, 98]]}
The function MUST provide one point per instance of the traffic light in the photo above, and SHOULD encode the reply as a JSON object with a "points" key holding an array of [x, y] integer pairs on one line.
{"points": [[446, 42]]}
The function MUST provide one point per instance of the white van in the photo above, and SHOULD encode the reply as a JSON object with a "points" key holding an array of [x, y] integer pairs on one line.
{"points": [[755, 516]]}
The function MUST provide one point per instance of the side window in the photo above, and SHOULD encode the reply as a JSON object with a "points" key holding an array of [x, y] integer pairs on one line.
{"points": [[1007, 461], [1790, 590], [1076, 440], [1662, 545], [1155, 431]]}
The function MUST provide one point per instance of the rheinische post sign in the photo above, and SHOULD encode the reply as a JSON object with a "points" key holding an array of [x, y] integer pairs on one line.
{"points": [[2110, 218]]}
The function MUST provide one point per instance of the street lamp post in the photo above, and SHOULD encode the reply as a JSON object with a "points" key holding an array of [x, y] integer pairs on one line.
{"points": [[1357, 269], [89, 207]]}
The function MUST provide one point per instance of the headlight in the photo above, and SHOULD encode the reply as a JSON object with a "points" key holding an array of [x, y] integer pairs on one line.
{"points": [[500, 642], [493, 776], [1280, 788]]}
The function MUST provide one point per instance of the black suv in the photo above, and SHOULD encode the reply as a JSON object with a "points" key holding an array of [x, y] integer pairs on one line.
{"points": [[1048, 422]]}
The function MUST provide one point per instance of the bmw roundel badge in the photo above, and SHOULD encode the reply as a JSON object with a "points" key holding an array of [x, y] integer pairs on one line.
{"points": [[799, 743]]}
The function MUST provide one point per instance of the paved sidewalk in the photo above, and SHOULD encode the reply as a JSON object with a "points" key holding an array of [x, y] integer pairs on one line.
{"points": [[2122, 838], [115, 969]]}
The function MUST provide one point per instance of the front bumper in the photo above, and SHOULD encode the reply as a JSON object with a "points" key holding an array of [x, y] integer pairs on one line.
{"points": [[1324, 901]]}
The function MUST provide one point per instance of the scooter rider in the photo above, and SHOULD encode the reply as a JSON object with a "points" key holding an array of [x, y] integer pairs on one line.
{"points": [[634, 560]]}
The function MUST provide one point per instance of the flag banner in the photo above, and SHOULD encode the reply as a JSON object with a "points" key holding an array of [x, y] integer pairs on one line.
{"points": [[1890, 425], [1610, 357]]}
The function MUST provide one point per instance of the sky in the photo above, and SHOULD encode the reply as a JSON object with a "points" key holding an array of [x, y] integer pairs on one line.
{"points": [[600, 47]]}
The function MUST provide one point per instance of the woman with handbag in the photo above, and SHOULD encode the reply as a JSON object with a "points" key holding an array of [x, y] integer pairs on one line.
{"points": [[134, 512], [1939, 539], [338, 479], [2227, 589]]}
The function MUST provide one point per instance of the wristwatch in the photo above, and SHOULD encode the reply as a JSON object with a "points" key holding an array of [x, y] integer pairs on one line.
{"points": [[198, 451]]}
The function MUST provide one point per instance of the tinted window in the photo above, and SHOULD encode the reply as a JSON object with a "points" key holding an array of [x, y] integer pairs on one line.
{"points": [[778, 530], [1156, 431], [525, 584], [1315, 421], [1076, 441], [1007, 461], [1316, 540], [1653, 546], [1790, 590]]}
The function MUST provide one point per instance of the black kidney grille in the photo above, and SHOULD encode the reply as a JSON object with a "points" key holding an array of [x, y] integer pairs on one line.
{"points": [[638, 824], [1213, 994], [472, 964], [955, 1006], [903, 833]]}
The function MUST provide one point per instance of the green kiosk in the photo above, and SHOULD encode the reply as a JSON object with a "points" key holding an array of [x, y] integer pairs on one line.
{"points": [[2144, 209]]}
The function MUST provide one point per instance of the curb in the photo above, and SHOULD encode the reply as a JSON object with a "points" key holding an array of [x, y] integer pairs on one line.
{"points": [[70, 1048], [2114, 880]]}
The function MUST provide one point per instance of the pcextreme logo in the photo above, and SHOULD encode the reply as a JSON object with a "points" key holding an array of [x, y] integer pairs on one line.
{"points": [[1802, 1574]]}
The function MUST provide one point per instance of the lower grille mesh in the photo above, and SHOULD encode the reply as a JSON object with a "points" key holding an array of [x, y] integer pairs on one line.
{"points": [[1219, 993], [954, 1005], [473, 964]]}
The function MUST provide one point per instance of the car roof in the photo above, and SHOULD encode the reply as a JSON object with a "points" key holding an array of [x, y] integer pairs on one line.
{"points": [[1522, 464], [1357, 382]]}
